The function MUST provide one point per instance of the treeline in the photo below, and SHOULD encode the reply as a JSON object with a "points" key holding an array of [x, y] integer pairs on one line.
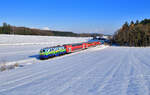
{"points": [[8, 29], [133, 34]]}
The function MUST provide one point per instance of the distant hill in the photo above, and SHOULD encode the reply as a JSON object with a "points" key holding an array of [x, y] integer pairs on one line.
{"points": [[8, 29], [133, 34]]}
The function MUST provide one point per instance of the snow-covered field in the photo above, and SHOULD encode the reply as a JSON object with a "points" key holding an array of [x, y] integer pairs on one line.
{"points": [[38, 40], [94, 71]]}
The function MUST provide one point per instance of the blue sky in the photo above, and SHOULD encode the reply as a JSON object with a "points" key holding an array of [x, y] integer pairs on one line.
{"points": [[80, 16]]}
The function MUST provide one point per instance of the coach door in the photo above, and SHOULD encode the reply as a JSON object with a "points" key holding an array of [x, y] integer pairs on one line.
{"points": [[69, 49], [83, 46], [86, 45]]}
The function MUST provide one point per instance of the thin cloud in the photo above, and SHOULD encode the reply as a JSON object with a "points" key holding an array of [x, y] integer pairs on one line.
{"points": [[45, 28]]}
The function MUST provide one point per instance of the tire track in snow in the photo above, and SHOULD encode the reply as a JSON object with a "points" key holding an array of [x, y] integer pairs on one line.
{"points": [[106, 87], [116, 85], [83, 74], [106, 75], [146, 67], [142, 58], [137, 83], [82, 87]]}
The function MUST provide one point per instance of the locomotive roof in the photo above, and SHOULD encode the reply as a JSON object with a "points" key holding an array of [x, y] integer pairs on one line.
{"points": [[52, 47], [75, 43]]}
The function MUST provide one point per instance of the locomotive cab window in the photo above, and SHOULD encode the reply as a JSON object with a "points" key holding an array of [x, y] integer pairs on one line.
{"points": [[43, 50]]}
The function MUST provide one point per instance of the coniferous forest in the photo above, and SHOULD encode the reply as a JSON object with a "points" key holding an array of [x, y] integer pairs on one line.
{"points": [[133, 34]]}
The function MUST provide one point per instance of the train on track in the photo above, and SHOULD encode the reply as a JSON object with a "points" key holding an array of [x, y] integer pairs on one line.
{"points": [[49, 52]]}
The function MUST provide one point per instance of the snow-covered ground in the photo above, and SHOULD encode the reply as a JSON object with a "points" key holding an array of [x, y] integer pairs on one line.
{"points": [[95, 71], [38, 40]]}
